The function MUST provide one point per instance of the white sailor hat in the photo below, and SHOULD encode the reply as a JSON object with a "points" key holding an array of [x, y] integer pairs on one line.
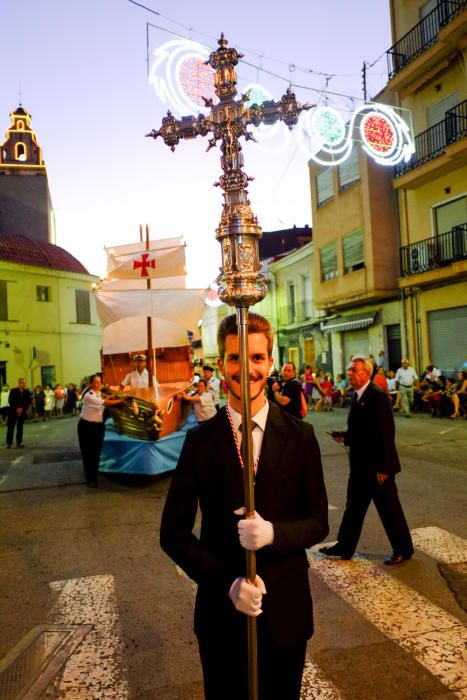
{"points": [[139, 357]]}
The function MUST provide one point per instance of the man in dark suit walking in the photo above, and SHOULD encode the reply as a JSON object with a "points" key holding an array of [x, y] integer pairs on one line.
{"points": [[19, 401], [373, 465], [291, 515]]}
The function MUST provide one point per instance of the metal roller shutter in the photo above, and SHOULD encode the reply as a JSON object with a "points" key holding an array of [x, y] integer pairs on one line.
{"points": [[448, 338]]}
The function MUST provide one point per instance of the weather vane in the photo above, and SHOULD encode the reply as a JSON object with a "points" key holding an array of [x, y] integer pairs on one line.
{"points": [[240, 282]]}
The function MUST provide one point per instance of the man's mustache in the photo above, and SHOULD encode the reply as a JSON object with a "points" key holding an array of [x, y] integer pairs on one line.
{"points": [[253, 377]]}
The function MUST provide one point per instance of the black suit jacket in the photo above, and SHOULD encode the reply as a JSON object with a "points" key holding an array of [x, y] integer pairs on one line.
{"points": [[289, 492], [18, 399], [371, 433]]}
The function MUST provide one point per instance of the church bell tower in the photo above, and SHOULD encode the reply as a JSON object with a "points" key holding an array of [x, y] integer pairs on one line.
{"points": [[25, 203]]}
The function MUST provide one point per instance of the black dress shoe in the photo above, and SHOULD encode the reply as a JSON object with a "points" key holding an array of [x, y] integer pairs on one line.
{"points": [[335, 550], [21, 444], [397, 559]]}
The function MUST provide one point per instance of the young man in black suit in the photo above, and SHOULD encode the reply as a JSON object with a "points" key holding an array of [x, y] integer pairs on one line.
{"points": [[291, 515], [19, 401], [373, 465]]}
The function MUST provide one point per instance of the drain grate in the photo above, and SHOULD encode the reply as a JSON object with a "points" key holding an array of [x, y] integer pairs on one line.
{"points": [[28, 669]]}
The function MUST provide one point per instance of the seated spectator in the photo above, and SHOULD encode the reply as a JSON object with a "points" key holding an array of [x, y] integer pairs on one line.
{"points": [[432, 395], [394, 395], [380, 380], [459, 395], [340, 390]]}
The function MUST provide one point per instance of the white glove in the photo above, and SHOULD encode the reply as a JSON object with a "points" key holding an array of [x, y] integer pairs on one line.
{"points": [[246, 597], [255, 532]]}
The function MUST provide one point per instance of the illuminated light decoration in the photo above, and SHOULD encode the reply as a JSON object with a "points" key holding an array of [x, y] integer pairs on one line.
{"points": [[172, 72], [385, 135], [263, 135], [181, 78], [196, 80], [378, 133], [327, 125]]}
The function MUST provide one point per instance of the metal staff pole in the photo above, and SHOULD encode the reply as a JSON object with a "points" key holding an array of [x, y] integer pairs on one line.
{"points": [[249, 489], [240, 282]]}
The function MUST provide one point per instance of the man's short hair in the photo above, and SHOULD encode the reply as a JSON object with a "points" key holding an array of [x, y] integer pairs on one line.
{"points": [[256, 324], [202, 381], [368, 365], [289, 362], [208, 368]]}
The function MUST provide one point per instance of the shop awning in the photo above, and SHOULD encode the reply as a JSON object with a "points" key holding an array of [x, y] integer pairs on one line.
{"points": [[349, 323]]}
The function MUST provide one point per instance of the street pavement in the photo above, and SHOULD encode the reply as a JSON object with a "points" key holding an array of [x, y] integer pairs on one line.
{"points": [[91, 608]]}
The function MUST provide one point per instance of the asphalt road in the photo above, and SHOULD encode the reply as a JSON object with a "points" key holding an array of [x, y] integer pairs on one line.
{"points": [[71, 556]]}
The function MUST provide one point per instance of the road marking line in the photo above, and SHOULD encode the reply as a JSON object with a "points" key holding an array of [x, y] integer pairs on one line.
{"points": [[3, 479], [96, 670], [440, 544], [330, 507], [17, 460], [315, 686], [429, 633]]}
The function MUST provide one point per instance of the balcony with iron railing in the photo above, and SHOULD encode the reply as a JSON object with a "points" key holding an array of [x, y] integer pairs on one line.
{"points": [[433, 253], [422, 36], [295, 313], [433, 142]]}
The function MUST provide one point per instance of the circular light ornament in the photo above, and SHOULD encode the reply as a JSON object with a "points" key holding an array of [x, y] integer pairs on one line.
{"points": [[378, 134], [327, 126], [270, 138], [385, 136], [196, 80]]}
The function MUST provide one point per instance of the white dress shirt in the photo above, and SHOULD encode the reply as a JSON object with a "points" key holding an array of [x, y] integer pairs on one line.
{"points": [[260, 419], [93, 407]]}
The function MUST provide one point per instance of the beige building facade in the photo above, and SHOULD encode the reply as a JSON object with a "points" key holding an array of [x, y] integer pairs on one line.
{"points": [[356, 258], [427, 67]]}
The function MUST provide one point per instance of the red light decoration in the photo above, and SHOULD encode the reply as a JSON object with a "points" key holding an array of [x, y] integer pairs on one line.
{"points": [[378, 133], [196, 80]]}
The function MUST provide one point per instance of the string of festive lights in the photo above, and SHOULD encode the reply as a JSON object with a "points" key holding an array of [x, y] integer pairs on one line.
{"points": [[259, 68]]}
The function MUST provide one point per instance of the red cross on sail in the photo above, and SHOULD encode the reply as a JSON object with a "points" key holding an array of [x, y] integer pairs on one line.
{"points": [[142, 265], [145, 263]]}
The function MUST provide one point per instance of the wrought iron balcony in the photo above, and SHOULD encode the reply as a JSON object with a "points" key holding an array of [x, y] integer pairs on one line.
{"points": [[433, 142], [422, 36], [295, 313], [436, 252]]}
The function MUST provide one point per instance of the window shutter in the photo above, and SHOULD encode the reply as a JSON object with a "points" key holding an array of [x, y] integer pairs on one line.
{"points": [[3, 301], [328, 257], [324, 186], [83, 307], [353, 251], [349, 170]]}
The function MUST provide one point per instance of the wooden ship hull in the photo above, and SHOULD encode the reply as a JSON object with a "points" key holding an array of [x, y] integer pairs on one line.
{"points": [[153, 413]]}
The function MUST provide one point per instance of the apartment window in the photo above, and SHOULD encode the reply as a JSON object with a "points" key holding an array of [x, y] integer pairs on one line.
{"points": [[42, 293], [291, 302], [450, 215], [3, 301], [328, 258], [353, 251], [436, 113], [325, 186], [349, 170], [83, 306]]}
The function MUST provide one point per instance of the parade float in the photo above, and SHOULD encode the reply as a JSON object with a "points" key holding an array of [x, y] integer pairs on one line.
{"points": [[146, 308]]}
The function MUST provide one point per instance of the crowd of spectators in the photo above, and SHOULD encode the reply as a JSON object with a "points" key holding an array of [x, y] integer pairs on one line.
{"points": [[442, 396], [47, 402]]}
